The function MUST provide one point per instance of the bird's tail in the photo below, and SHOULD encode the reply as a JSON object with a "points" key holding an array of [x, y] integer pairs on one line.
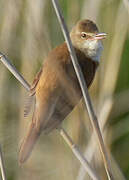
{"points": [[28, 143]]}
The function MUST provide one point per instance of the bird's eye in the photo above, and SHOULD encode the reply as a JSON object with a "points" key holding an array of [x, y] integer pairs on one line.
{"points": [[83, 35]]}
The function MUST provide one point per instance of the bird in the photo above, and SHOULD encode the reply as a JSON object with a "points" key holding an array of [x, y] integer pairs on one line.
{"points": [[56, 88]]}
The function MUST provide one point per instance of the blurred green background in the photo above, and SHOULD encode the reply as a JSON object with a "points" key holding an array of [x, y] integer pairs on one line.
{"points": [[28, 31]]}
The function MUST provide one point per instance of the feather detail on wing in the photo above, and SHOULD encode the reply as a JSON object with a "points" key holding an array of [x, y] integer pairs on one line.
{"points": [[29, 101], [28, 105]]}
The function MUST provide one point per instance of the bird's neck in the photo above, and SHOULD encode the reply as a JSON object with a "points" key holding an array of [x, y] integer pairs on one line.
{"points": [[91, 49], [84, 59]]}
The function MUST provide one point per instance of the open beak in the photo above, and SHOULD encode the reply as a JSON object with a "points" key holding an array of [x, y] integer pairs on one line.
{"points": [[99, 36]]}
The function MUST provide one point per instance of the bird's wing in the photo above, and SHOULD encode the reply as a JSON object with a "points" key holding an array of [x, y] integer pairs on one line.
{"points": [[47, 95], [46, 100], [29, 101]]}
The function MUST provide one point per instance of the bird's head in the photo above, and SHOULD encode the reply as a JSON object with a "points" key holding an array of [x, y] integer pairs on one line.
{"points": [[85, 36]]}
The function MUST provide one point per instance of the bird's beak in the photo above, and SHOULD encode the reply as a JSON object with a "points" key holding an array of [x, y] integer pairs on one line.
{"points": [[99, 36]]}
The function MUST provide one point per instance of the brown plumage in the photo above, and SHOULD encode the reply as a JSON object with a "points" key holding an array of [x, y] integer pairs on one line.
{"points": [[56, 87]]}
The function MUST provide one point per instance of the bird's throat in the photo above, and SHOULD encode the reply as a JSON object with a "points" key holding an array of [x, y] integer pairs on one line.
{"points": [[93, 49]]}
